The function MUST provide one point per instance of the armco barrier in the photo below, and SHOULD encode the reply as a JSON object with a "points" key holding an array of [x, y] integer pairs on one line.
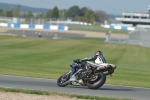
{"points": [[32, 26], [120, 27]]}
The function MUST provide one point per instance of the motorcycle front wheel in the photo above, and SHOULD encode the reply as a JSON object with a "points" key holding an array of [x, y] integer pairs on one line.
{"points": [[96, 81], [63, 79]]}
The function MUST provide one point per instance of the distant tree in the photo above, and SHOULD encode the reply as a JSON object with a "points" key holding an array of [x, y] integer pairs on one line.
{"points": [[73, 11], [43, 15], [83, 10], [79, 18], [88, 13], [9, 13], [29, 14], [1, 12], [62, 14], [65, 13], [101, 16], [55, 12], [48, 14], [24, 15], [17, 11]]}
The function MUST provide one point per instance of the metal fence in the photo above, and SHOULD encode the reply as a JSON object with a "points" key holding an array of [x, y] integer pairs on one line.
{"points": [[117, 38], [140, 37]]}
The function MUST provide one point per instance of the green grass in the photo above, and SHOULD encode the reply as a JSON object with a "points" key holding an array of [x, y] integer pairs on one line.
{"points": [[97, 28], [49, 58], [59, 94]]}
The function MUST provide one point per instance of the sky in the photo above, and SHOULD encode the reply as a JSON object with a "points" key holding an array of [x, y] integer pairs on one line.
{"points": [[115, 7]]}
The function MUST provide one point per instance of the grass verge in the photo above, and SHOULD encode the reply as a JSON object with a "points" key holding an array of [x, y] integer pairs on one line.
{"points": [[97, 28], [50, 58], [59, 94]]}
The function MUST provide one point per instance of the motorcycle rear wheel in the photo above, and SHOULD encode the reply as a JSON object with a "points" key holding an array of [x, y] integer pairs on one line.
{"points": [[97, 83]]}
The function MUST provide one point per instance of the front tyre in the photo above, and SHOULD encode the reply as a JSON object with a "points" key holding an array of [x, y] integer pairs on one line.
{"points": [[96, 83], [63, 80]]}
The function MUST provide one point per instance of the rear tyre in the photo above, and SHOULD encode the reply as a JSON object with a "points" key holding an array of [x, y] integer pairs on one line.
{"points": [[98, 82], [63, 80]]}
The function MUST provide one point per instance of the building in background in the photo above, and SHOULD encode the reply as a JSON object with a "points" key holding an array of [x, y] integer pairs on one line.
{"points": [[135, 19]]}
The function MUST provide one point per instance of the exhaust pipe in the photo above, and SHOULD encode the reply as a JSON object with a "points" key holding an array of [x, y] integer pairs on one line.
{"points": [[101, 67], [106, 67], [106, 73]]}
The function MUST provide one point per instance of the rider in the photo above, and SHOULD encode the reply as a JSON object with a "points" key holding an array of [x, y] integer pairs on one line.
{"points": [[97, 58]]}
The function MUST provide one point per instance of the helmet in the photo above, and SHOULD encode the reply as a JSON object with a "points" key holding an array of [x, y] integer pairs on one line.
{"points": [[97, 52]]}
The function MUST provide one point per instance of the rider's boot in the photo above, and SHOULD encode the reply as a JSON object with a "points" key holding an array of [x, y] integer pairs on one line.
{"points": [[73, 78], [72, 75]]}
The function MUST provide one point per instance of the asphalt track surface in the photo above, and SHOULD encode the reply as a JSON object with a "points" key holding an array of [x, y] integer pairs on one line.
{"points": [[51, 85]]}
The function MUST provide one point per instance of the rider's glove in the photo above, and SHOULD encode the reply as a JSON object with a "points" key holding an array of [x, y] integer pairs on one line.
{"points": [[78, 61]]}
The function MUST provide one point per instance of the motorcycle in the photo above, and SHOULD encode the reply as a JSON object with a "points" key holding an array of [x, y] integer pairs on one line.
{"points": [[87, 74]]}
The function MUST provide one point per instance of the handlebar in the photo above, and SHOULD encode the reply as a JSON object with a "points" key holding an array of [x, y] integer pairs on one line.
{"points": [[77, 61]]}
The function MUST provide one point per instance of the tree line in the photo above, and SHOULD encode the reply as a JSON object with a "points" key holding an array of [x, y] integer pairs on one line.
{"points": [[83, 14]]}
